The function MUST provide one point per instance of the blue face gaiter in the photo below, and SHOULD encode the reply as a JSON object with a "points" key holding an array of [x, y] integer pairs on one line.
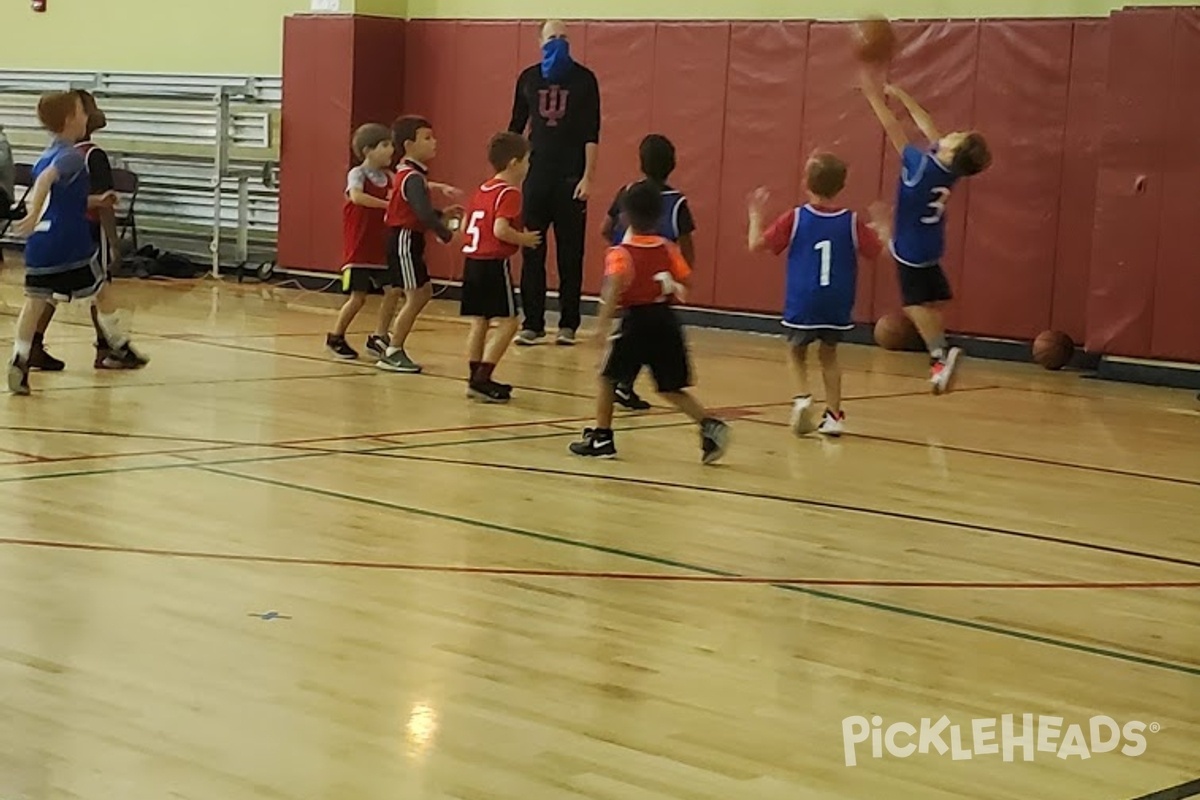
{"points": [[556, 59]]}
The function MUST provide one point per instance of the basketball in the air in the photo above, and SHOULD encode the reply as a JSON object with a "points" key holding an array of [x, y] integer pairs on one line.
{"points": [[874, 40], [1053, 349], [896, 331]]}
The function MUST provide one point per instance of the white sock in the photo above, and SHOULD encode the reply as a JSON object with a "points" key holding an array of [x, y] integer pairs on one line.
{"points": [[391, 351], [22, 349], [112, 330]]}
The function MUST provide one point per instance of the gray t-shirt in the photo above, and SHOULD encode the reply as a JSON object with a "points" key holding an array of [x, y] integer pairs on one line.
{"points": [[7, 170], [358, 177]]}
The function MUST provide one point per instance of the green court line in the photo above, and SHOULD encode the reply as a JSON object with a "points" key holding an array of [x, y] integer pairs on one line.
{"points": [[313, 453], [667, 562]]}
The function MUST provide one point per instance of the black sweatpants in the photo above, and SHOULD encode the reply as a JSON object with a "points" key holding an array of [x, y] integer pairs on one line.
{"points": [[549, 201]]}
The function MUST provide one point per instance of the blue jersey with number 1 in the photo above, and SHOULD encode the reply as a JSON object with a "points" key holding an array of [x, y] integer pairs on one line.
{"points": [[925, 183], [822, 269]]}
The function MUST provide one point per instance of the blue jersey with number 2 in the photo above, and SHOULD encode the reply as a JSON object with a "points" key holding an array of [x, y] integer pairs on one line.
{"points": [[925, 183]]}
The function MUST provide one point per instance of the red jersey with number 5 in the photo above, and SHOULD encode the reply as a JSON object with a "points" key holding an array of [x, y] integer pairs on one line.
{"points": [[494, 200]]}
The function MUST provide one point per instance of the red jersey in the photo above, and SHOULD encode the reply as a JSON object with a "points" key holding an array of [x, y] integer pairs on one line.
{"points": [[492, 201], [364, 234], [641, 262], [400, 213]]}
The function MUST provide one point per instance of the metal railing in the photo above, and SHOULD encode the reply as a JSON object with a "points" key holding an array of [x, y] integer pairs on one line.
{"points": [[205, 149]]}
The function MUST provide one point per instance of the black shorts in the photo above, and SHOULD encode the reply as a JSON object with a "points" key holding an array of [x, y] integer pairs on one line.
{"points": [[78, 283], [922, 285], [406, 256], [487, 289], [803, 337], [364, 279], [649, 336]]}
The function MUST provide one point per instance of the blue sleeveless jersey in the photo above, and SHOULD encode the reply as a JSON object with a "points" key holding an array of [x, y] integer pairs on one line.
{"points": [[822, 269], [668, 223], [62, 240], [920, 236]]}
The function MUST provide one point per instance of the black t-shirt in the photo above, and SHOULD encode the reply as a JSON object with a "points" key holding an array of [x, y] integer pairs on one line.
{"points": [[562, 118], [100, 173]]}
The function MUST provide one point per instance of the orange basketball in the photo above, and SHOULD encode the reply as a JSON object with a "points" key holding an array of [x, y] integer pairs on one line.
{"points": [[1053, 349], [895, 331], [874, 41]]}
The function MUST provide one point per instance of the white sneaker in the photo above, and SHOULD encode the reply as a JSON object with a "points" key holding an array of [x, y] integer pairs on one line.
{"points": [[832, 425], [941, 374], [802, 416]]}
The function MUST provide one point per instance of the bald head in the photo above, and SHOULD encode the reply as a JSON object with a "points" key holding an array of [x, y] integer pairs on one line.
{"points": [[554, 29]]}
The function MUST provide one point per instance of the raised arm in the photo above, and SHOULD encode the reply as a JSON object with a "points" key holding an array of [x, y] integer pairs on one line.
{"points": [[756, 240], [891, 125], [919, 114]]}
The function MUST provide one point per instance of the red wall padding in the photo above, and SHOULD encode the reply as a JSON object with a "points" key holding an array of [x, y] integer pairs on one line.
{"points": [[318, 67], [1056, 234], [622, 56], [1176, 330], [764, 118], [688, 107], [1007, 281], [837, 118], [937, 66], [1077, 195], [1125, 237], [338, 73]]}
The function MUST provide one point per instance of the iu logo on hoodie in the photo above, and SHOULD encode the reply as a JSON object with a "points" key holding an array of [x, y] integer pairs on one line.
{"points": [[552, 104]]}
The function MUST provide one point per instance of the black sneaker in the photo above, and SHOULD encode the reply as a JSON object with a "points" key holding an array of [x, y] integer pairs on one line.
{"points": [[341, 348], [124, 357], [714, 440], [488, 392], [18, 376], [628, 398], [379, 344], [504, 387], [595, 444], [39, 359]]}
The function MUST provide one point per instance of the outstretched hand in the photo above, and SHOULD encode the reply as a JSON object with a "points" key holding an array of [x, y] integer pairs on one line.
{"points": [[758, 199], [447, 189]]}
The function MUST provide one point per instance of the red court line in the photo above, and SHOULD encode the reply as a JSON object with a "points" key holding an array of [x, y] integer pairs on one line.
{"points": [[395, 566]]}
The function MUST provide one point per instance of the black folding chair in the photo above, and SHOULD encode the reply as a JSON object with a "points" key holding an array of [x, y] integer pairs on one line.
{"points": [[125, 183], [10, 214]]}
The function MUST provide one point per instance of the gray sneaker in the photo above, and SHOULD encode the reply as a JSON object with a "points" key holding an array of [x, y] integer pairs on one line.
{"points": [[566, 337], [528, 338], [398, 362], [714, 440], [18, 376]]}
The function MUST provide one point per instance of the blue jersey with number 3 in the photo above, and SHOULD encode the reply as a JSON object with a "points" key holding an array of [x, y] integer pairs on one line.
{"points": [[822, 269], [925, 183]]}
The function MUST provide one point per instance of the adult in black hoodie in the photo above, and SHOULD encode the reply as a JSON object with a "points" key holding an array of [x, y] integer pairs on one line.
{"points": [[558, 101]]}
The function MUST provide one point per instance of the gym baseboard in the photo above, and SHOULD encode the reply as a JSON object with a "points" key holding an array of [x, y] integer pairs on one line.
{"points": [[1154, 373]]}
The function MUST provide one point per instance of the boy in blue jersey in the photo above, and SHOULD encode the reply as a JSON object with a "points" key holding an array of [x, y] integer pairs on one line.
{"points": [[657, 156], [61, 261], [926, 179], [823, 242]]}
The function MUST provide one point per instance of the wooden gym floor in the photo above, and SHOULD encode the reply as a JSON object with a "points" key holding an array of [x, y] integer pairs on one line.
{"points": [[251, 571]]}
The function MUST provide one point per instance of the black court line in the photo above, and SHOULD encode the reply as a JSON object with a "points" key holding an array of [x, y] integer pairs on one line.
{"points": [[1179, 792], [803, 501], [211, 382], [975, 451], [982, 627]]}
